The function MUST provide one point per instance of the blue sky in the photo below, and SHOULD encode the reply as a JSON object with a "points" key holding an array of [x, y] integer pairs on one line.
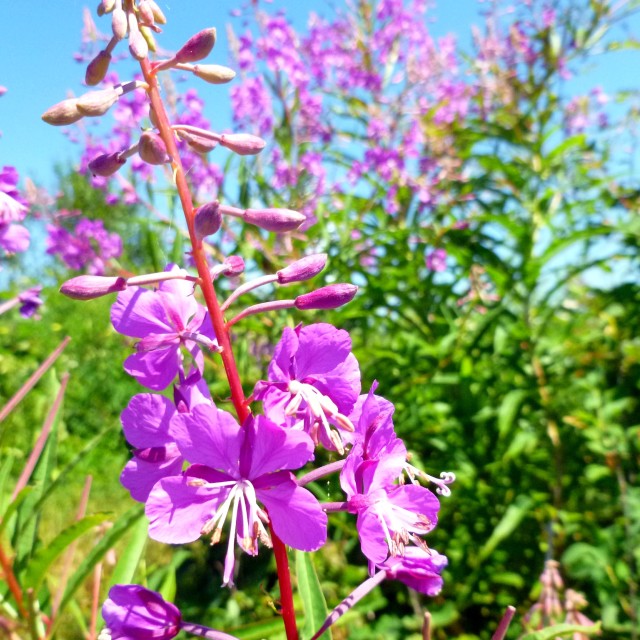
{"points": [[38, 40]]}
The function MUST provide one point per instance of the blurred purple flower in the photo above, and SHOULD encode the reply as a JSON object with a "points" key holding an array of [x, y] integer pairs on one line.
{"points": [[436, 260], [14, 238], [89, 247], [30, 301]]}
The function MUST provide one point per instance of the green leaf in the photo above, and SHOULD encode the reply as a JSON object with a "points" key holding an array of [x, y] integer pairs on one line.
{"points": [[131, 554], [13, 507], [562, 631], [508, 411], [45, 556], [315, 606], [510, 521]]}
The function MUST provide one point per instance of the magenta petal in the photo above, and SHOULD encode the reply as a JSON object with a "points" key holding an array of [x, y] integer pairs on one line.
{"points": [[416, 500], [372, 539], [146, 420], [280, 366], [155, 369], [321, 349], [140, 475], [274, 448], [209, 436], [296, 515], [177, 511], [138, 312], [14, 238]]}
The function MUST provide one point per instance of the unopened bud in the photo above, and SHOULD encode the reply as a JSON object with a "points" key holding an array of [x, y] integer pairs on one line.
{"points": [[197, 47], [157, 12], [119, 23], [151, 148], [97, 69], [106, 6], [199, 144], [214, 73], [146, 12], [207, 219], [234, 266], [148, 36], [330, 297], [138, 46], [278, 220], [243, 144], [303, 269], [106, 164], [97, 103], [90, 287], [63, 113]]}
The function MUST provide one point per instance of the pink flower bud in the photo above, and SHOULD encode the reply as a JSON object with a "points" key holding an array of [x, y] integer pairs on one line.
{"points": [[235, 266], [207, 219], [303, 269], [214, 73], [138, 46], [199, 144], [90, 287], [106, 164], [97, 69], [97, 103], [146, 12], [278, 220], [106, 6], [329, 297], [197, 47], [119, 23], [243, 144], [151, 148], [157, 12], [63, 113]]}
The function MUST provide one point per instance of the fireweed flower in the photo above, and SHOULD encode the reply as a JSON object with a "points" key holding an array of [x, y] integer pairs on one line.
{"points": [[165, 319], [389, 516], [90, 246], [232, 469], [314, 382], [30, 301], [419, 568], [14, 238], [146, 423], [132, 612]]}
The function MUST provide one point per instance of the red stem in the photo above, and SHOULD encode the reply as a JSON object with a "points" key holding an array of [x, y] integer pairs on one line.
{"points": [[217, 320]]}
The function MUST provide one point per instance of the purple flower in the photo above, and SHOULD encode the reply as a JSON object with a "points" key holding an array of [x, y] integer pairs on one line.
{"points": [[436, 260], [232, 469], [419, 568], [14, 238], [90, 246], [164, 319], [132, 612], [314, 382], [389, 516], [30, 301]]}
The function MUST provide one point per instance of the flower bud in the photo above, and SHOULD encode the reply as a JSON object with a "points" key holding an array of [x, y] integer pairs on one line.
{"points": [[157, 12], [119, 23], [243, 144], [207, 219], [146, 12], [138, 46], [151, 148], [106, 164], [214, 73], [97, 69], [278, 220], [235, 266], [90, 287], [303, 269], [97, 103], [197, 47], [199, 144], [106, 6], [148, 37], [63, 113], [330, 297]]}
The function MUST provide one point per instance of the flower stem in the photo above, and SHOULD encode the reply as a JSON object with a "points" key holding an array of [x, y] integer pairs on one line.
{"points": [[217, 320]]}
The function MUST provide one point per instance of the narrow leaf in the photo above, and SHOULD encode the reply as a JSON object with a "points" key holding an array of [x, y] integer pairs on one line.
{"points": [[561, 631], [315, 606]]}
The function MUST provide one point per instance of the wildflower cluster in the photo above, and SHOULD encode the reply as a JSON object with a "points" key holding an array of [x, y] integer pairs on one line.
{"points": [[200, 470]]}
